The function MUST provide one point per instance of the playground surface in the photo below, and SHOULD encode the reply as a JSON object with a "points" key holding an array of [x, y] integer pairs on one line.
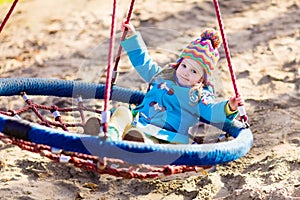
{"points": [[69, 39]]}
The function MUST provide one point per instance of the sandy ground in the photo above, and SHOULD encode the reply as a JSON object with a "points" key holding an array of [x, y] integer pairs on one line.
{"points": [[69, 40]]}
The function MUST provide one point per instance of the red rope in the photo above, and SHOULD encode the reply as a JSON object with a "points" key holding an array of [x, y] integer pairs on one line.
{"points": [[8, 15], [43, 117], [226, 48], [110, 59], [114, 78], [103, 166], [244, 117]]}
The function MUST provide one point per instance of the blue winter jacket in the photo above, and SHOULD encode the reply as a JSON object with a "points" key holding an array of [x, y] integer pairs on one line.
{"points": [[167, 105]]}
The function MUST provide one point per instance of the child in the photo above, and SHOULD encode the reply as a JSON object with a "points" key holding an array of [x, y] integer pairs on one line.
{"points": [[179, 94]]}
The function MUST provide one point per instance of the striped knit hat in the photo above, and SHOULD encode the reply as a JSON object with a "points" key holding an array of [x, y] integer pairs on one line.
{"points": [[204, 50]]}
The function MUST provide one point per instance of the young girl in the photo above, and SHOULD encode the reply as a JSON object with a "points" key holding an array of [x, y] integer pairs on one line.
{"points": [[179, 94]]}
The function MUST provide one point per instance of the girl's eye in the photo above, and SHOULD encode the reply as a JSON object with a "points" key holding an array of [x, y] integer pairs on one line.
{"points": [[183, 65], [194, 71]]}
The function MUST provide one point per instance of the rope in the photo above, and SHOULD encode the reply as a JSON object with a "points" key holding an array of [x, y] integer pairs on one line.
{"points": [[109, 73], [110, 166], [8, 15], [114, 78], [242, 111], [39, 111]]}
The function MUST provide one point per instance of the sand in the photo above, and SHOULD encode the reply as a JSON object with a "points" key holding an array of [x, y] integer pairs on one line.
{"points": [[69, 40]]}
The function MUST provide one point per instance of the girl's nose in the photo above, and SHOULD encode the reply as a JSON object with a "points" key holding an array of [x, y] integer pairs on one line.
{"points": [[185, 72]]}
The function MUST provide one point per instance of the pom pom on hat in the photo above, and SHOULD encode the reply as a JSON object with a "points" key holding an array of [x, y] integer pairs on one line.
{"points": [[213, 36], [204, 50]]}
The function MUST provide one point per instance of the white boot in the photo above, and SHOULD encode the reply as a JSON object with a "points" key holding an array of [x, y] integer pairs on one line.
{"points": [[120, 119]]}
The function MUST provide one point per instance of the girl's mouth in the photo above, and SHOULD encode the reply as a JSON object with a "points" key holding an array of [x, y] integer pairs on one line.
{"points": [[184, 78]]}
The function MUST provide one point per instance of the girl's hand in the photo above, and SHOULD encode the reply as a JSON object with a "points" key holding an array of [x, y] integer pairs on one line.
{"points": [[234, 102], [129, 27]]}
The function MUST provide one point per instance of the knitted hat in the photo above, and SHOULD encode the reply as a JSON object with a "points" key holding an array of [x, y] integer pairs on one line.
{"points": [[204, 50]]}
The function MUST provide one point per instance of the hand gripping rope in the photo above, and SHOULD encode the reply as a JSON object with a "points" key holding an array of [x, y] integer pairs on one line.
{"points": [[118, 56], [242, 111]]}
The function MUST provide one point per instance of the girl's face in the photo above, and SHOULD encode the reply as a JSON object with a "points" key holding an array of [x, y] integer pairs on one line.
{"points": [[189, 73]]}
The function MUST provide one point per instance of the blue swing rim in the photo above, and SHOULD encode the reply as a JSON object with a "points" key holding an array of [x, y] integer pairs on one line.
{"points": [[131, 152]]}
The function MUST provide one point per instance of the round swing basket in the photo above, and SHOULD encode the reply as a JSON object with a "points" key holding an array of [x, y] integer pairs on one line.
{"points": [[131, 152]]}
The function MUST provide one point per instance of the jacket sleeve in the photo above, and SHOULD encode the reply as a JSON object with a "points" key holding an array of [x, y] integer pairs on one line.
{"points": [[139, 57], [214, 112]]}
